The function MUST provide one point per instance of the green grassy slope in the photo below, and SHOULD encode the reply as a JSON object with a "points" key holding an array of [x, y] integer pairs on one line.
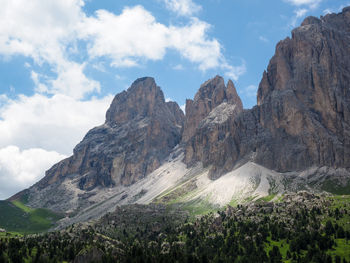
{"points": [[336, 188], [17, 217]]}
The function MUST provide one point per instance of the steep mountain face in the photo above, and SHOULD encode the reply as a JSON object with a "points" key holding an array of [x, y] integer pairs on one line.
{"points": [[306, 91], [303, 114], [207, 122], [210, 95], [139, 132]]}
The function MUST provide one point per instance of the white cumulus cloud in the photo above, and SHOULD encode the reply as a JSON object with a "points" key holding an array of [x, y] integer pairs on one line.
{"points": [[43, 30], [49, 31], [38, 28], [134, 36], [19, 169], [57, 123], [125, 38], [37, 131]]}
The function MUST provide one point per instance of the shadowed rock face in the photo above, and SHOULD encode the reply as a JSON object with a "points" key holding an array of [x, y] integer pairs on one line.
{"points": [[139, 132], [305, 94], [303, 114]]}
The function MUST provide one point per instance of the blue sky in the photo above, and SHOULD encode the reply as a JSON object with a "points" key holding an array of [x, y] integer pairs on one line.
{"points": [[61, 63]]}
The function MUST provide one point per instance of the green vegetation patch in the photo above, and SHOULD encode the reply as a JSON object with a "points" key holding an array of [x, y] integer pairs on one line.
{"points": [[267, 198], [178, 194], [338, 211], [342, 249], [17, 217], [334, 188], [198, 207], [339, 201], [282, 245]]}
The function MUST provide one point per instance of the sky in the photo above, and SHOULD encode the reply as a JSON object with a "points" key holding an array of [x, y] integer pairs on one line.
{"points": [[62, 62]]}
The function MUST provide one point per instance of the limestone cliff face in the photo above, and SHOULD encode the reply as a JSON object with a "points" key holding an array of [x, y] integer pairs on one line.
{"points": [[302, 117], [207, 122], [139, 132], [210, 95], [305, 93]]}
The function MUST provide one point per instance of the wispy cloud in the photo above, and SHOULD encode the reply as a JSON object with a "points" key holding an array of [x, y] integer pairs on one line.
{"points": [[264, 39], [249, 91], [234, 72], [299, 13], [308, 3], [183, 108], [327, 11], [178, 67], [339, 9], [183, 7], [303, 7]]}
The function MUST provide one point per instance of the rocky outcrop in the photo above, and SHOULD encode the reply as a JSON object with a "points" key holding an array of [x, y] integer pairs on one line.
{"points": [[139, 132], [206, 124], [302, 117], [305, 95], [177, 112], [89, 255], [210, 95]]}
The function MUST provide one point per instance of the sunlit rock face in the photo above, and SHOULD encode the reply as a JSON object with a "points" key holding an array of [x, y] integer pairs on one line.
{"points": [[139, 132]]}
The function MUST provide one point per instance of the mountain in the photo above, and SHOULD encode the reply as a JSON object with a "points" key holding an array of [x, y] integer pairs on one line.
{"points": [[139, 132], [297, 137], [302, 117]]}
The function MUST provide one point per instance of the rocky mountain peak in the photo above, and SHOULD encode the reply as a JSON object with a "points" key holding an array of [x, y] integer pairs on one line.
{"points": [[212, 89], [232, 96], [302, 117], [211, 94], [311, 20], [142, 99], [140, 131]]}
